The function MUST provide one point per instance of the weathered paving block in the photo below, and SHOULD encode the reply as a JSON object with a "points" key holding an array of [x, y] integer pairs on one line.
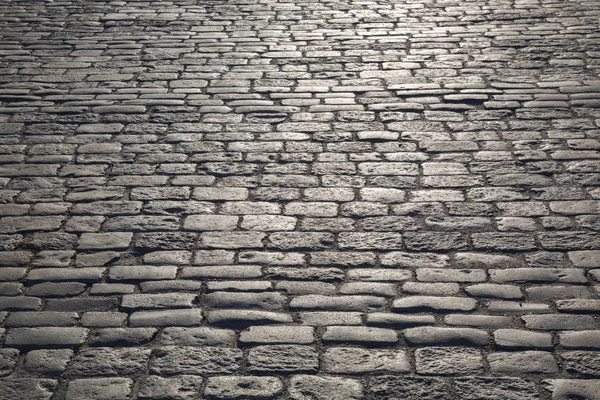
{"points": [[27, 388], [202, 336], [171, 360], [353, 360], [233, 318], [46, 275], [47, 337], [27, 224], [448, 361], [451, 275], [165, 318], [8, 361], [101, 241], [521, 339], [99, 389], [210, 223], [184, 387], [237, 387], [85, 304], [585, 258], [47, 362], [283, 359], [576, 297], [488, 290], [414, 260], [20, 303], [300, 241], [478, 321], [122, 336], [232, 240], [584, 339], [370, 241], [337, 303], [398, 321], [563, 389], [559, 322], [324, 387], [567, 241], [222, 272], [157, 301], [141, 272], [15, 258], [277, 334], [578, 305], [104, 361], [523, 362], [505, 388], [430, 303], [581, 363], [324, 318], [45, 318], [435, 336], [263, 301], [411, 388], [554, 275], [360, 335]]}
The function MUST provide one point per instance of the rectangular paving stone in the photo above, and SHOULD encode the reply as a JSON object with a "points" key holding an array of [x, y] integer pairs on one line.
{"points": [[102, 241], [357, 361], [27, 388], [169, 361], [46, 337], [157, 301]]}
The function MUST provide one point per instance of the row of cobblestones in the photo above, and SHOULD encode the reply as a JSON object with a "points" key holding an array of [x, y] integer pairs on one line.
{"points": [[267, 199]]}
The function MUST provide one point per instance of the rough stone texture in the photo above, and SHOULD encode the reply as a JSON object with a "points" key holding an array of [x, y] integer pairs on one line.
{"points": [[45, 337], [283, 359], [99, 389], [308, 387], [532, 362], [242, 387], [103, 361], [195, 360], [448, 361], [312, 191], [565, 389], [184, 387], [351, 360], [8, 360], [390, 387], [495, 388], [27, 388], [47, 362], [581, 363]]}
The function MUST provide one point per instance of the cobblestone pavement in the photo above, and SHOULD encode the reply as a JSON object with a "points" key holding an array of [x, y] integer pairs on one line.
{"points": [[308, 199]]}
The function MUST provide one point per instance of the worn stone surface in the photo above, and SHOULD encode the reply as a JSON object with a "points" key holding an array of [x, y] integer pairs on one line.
{"points": [[283, 358], [273, 199], [242, 387], [495, 388], [27, 388], [104, 361], [305, 387], [564, 389], [184, 387], [410, 388], [99, 389], [195, 360], [352, 360], [448, 361]]}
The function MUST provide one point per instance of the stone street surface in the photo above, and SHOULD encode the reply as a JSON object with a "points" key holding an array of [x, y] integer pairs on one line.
{"points": [[300, 199]]}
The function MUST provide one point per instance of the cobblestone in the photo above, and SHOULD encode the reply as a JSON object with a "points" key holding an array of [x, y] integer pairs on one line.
{"points": [[301, 200]]}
